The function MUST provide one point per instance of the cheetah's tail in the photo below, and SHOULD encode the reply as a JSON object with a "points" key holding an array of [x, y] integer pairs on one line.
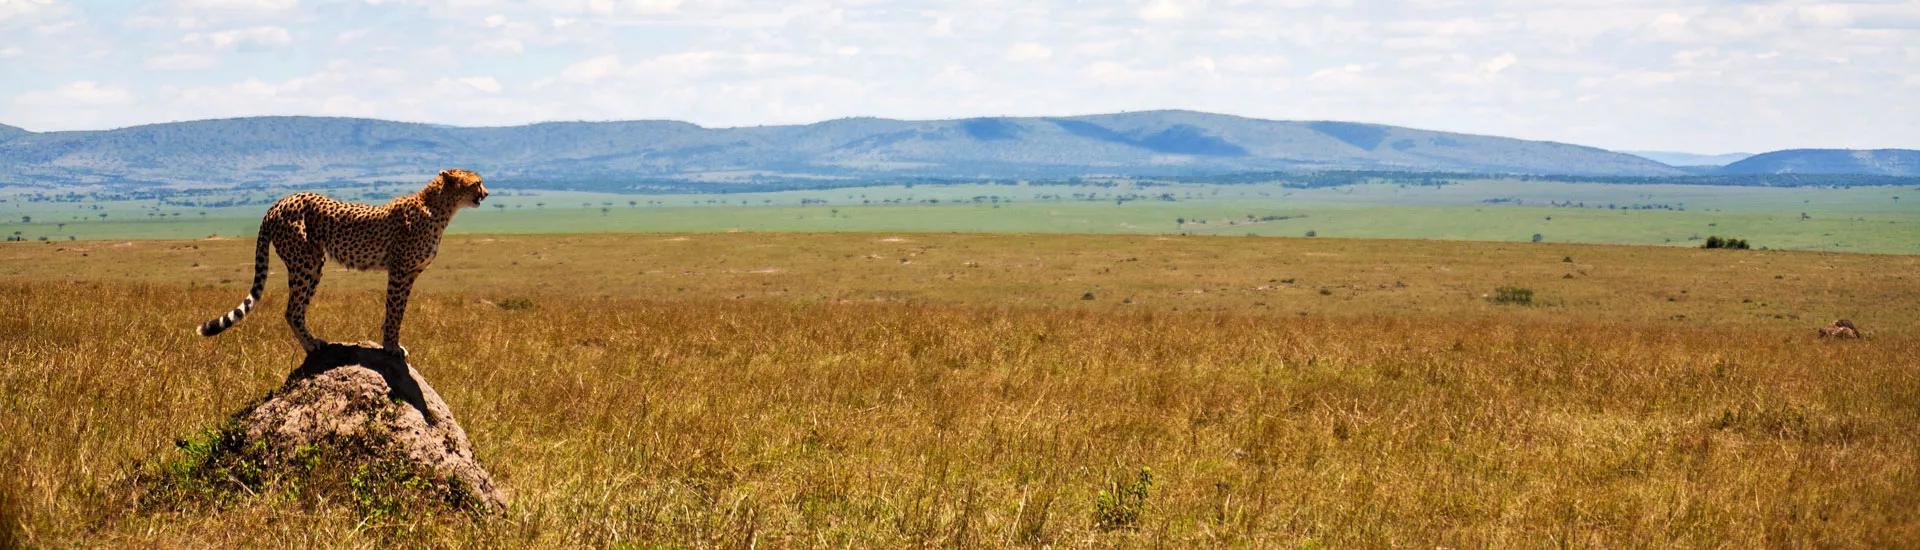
{"points": [[224, 322]]}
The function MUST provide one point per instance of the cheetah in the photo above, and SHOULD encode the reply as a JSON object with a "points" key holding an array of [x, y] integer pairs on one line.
{"points": [[401, 238]]}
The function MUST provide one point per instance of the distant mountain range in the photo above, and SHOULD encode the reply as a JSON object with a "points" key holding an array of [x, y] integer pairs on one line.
{"points": [[1671, 158], [1885, 162], [10, 132], [294, 150], [652, 154]]}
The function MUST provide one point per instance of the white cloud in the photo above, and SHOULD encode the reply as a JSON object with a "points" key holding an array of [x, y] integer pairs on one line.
{"points": [[632, 6], [1255, 64], [83, 93], [683, 66], [347, 38], [29, 10], [500, 45], [1028, 51], [495, 20], [1633, 80], [958, 77], [1336, 77], [1163, 10], [239, 5], [1497, 64], [1101, 48], [1824, 15], [1671, 27], [201, 14], [483, 83], [943, 26], [182, 62], [679, 65], [591, 69], [453, 89], [261, 37], [1460, 26], [1114, 73], [1201, 63], [349, 105]]}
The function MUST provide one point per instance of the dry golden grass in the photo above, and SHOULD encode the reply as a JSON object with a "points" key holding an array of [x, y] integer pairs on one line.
{"points": [[866, 402]]}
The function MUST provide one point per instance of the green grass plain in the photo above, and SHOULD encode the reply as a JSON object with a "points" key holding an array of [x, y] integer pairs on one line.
{"points": [[1867, 220], [846, 389]]}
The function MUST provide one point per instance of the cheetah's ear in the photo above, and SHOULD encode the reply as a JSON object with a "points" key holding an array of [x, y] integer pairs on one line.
{"points": [[446, 173]]}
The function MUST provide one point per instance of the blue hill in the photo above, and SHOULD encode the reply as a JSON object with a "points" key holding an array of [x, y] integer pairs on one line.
{"points": [[1878, 162], [295, 150]]}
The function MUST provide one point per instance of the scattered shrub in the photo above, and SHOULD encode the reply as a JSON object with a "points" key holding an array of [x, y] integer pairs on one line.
{"points": [[514, 304], [1512, 295], [1311, 233], [1729, 243], [1120, 507]]}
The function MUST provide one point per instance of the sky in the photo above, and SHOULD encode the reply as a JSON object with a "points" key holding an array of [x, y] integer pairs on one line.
{"points": [[1702, 76]]}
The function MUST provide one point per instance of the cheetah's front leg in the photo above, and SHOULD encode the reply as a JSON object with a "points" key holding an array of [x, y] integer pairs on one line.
{"points": [[399, 285]]}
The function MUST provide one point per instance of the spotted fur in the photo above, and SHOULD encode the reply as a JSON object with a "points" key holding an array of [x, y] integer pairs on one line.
{"points": [[400, 238]]}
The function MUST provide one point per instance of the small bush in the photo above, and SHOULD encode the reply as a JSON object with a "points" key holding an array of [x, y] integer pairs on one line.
{"points": [[1311, 233], [514, 304], [1512, 295], [1728, 243], [1120, 507]]}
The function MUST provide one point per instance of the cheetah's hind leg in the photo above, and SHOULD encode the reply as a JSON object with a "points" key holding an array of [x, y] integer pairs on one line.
{"points": [[303, 277]]}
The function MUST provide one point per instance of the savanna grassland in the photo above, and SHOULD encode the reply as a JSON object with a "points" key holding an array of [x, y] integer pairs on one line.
{"points": [[1857, 219], [877, 390]]}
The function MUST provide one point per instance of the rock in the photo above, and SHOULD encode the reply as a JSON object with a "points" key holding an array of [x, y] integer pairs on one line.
{"points": [[353, 424], [1840, 329]]}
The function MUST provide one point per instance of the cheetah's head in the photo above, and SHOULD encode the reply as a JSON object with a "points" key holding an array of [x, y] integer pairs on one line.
{"points": [[464, 187]]}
